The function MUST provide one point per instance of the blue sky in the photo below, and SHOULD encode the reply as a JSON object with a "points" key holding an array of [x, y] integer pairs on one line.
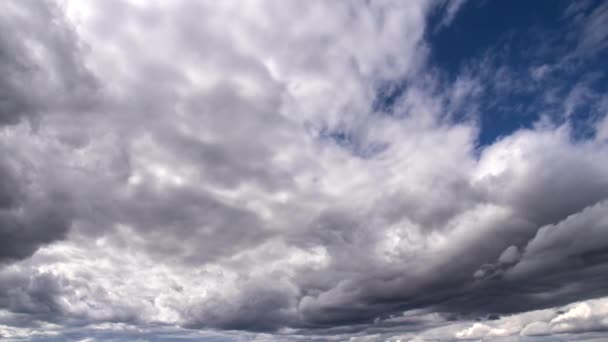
{"points": [[518, 38]]}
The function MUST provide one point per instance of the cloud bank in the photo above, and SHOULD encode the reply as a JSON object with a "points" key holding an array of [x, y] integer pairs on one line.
{"points": [[276, 170]]}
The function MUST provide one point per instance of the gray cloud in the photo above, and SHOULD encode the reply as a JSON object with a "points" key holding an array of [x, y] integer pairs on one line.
{"points": [[199, 165], [42, 73], [42, 69]]}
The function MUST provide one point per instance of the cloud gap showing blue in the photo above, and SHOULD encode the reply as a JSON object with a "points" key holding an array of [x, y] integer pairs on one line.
{"points": [[517, 37]]}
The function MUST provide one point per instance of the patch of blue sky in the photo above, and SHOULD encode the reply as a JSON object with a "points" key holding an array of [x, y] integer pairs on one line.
{"points": [[532, 59], [352, 143]]}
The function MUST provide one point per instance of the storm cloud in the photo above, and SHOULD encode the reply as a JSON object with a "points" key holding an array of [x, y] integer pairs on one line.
{"points": [[288, 170]]}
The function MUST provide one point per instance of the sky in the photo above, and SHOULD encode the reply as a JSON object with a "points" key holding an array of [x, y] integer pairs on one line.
{"points": [[282, 170]]}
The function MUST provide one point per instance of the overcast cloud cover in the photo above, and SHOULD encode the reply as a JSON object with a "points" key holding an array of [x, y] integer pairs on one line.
{"points": [[303, 170]]}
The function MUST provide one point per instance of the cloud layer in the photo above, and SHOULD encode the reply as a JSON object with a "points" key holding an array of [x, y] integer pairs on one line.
{"points": [[290, 170]]}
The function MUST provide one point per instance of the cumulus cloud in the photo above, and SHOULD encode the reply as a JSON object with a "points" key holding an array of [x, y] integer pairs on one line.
{"points": [[281, 170]]}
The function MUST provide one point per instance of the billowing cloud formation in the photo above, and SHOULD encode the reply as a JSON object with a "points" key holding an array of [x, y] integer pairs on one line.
{"points": [[42, 74], [288, 169]]}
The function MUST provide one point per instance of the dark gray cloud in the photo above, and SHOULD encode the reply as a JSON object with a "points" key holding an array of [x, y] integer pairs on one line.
{"points": [[32, 211], [41, 64], [41, 73]]}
